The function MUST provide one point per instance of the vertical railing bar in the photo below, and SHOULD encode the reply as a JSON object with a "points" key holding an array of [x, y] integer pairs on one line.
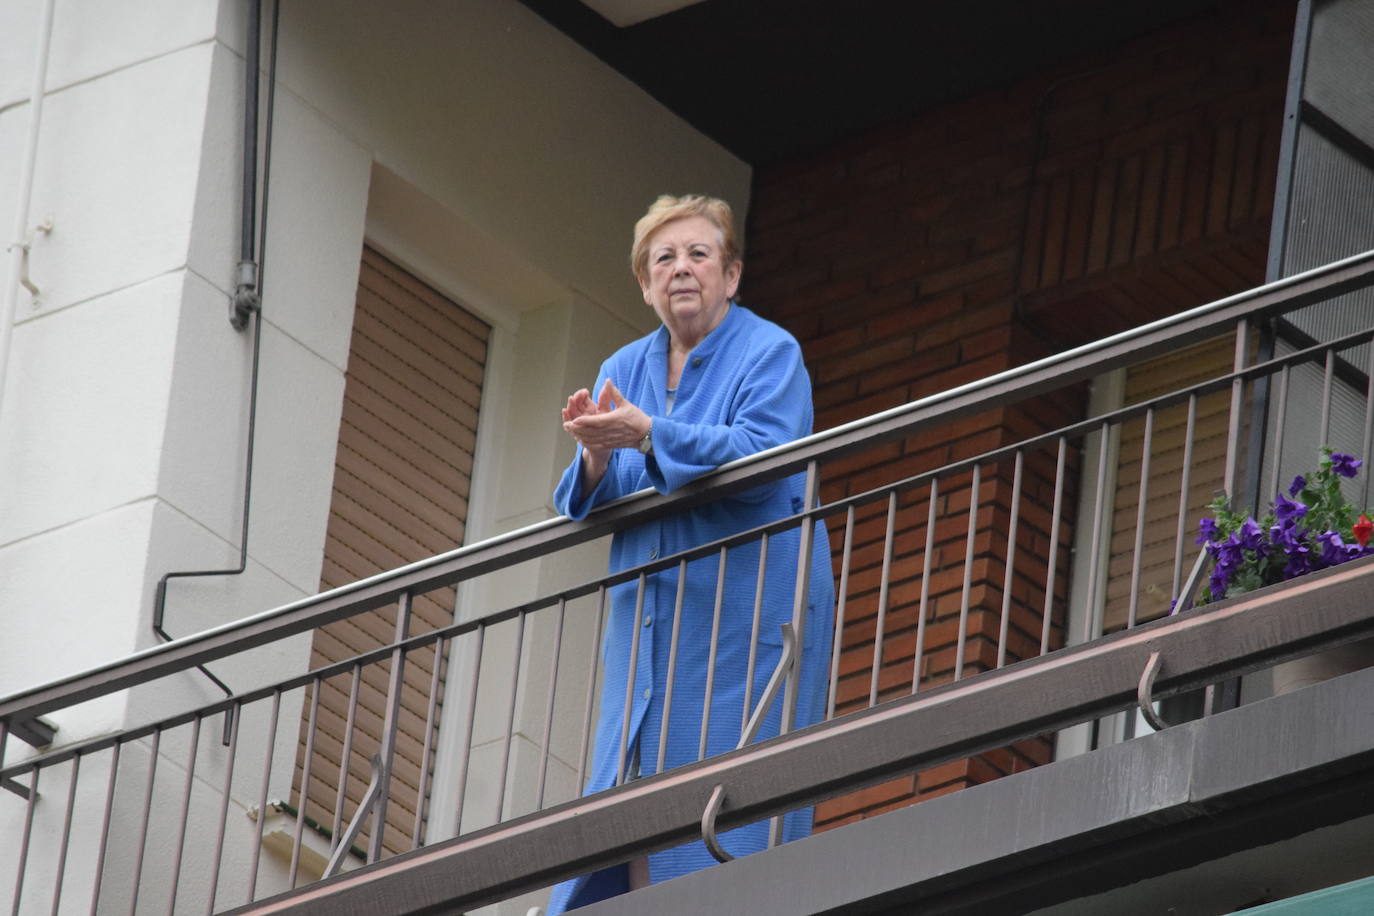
{"points": [[1280, 421], [623, 762], [975, 493], [1328, 373], [1052, 556], [801, 591], [1090, 616], [4, 739], [880, 621], [754, 635], [1184, 487], [470, 726], [845, 555], [711, 655], [61, 869], [391, 723], [510, 716], [1147, 445], [298, 832], [185, 814], [590, 702], [1368, 441], [346, 757], [1237, 404], [105, 832], [927, 564], [268, 746], [23, 863], [549, 704], [1004, 626], [143, 824], [232, 716], [431, 714], [672, 665]]}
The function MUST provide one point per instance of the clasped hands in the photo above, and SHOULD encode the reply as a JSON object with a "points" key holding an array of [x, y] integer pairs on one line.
{"points": [[609, 422]]}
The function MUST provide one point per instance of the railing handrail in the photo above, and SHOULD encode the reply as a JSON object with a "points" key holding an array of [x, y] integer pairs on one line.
{"points": [[948, 722], [534, 540]]}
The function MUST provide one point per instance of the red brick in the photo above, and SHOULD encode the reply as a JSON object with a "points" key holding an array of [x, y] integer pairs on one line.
{"points": [[908, 288]]}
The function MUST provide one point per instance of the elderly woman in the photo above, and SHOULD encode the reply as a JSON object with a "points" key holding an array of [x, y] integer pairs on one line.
{"points": [[716, 382]]}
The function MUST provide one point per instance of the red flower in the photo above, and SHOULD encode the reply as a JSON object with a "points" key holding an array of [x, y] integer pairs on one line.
{"points": [[1362, 530]]}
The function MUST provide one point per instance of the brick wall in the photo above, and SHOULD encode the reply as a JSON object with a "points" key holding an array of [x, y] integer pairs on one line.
{"points": [[980, 236]]}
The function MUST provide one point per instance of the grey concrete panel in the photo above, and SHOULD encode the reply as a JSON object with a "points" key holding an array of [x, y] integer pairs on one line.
{"points": [[1144, 807]]}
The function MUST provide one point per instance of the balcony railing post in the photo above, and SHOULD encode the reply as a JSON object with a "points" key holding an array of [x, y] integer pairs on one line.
{"points": [[927, 565], [303, 799], [504, 770], [390, 723], [970, 541], [622, 759], [1184, 485], [141, 847], [710, 654], [846, 555], [884, 585], [1008, 572], [185, 818], [63, 846], [800, 595], [1052, 554], [469, 723], [426, 754], [673, 642], [589, 700], [233, 717], [346, 755], [104, 844], [1141, 503], [1239, 361], [267, 748], [23, 862], [754, 634], [549, 701]]}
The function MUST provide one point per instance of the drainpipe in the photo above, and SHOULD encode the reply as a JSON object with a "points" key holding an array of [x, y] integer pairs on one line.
{"points": [[246, 301], [18, 249]]}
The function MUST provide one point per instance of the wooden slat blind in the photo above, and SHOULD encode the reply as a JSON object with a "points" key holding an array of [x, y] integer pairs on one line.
{"points": [[401, 485], [1143, 382]]}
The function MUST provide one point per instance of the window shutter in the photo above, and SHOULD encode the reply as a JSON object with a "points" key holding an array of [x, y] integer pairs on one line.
{"points": [[401, 485], [1143, 382]]}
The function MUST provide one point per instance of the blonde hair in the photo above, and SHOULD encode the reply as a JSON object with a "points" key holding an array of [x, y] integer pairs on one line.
{"points": [[668, 208]]}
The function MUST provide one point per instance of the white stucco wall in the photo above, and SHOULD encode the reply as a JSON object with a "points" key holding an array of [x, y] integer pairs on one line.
{"points": [[469, 141]]}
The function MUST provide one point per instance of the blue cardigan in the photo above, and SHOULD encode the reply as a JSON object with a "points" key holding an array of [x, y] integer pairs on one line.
{"points": [[743, 389]]}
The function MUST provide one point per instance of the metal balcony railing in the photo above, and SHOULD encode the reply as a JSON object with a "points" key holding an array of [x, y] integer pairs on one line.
{"points": [[959, 633]]}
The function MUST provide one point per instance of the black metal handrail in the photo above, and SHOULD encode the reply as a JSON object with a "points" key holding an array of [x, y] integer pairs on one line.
{"points": [[536, 540]]}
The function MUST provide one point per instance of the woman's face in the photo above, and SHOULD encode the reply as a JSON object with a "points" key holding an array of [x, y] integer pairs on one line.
{"points": [[687, 282]]}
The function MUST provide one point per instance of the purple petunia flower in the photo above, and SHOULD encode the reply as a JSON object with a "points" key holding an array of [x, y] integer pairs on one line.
{"points": [[1345, 465], [1287, 537], [1219, 581], [1299, 561], [1207, 531], [1287, 511], [1296, 486], [1333, 548], [1251, 537]]}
